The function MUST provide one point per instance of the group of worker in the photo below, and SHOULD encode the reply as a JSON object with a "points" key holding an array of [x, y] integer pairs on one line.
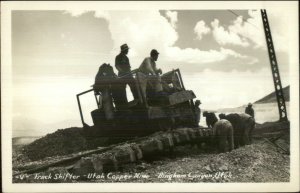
{"points": [[211, 117], [148, 67]]}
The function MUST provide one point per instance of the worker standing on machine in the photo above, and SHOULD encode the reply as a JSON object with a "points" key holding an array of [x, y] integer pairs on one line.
{"points": [[123, 66], [148, 67], [124, 70]]}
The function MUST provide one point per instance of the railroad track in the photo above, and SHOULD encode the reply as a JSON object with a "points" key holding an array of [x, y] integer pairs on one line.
{"points": [[112, 157]]}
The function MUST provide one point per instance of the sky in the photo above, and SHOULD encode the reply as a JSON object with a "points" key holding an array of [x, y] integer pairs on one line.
{"points": [[222, 56]]}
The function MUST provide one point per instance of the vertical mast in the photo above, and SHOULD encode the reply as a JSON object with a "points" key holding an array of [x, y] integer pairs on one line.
{"points": [[274, 68]]}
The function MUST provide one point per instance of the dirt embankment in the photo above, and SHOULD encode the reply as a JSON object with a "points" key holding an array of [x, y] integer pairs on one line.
{"points": [[62, 142]]}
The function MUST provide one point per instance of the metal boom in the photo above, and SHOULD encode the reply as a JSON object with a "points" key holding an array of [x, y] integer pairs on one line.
{"points": [[274, 68]]}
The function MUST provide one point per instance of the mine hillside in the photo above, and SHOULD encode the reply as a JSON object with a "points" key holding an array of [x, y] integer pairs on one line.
{"points": [[186, 156], [271, 98]]}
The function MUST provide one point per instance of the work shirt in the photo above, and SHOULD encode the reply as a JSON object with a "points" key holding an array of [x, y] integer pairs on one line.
{"points": [[122, 63], [148, 66]]}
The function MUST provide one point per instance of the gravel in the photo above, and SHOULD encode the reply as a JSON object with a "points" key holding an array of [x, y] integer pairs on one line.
{"points": [[61, 142], [261, 161]]}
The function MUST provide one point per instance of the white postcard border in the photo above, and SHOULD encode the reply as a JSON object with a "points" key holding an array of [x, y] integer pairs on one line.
{"points": [[6, 97]]}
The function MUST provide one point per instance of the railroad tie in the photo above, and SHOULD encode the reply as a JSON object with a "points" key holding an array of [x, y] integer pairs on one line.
{"points": [[137, 149], [210, 132], [201, 133], [197, 132], [170, 138], [165, 141], [176, 138], [124, 154], [186, 133], [132, 154], [115, 162], [192, 133], [105, 162], [98, 165], [159, 144], [184, 136], [206, 132], [150, 146], [180, 138], [128, 152]]}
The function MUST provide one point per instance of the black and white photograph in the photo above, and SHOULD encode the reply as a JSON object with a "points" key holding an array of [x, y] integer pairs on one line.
{"points": [[150, 96]]}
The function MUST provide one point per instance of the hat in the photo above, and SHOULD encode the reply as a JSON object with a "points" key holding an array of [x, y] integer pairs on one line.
{"points": [[197, 102], [249, 104], [154, 52], [124, 47]]}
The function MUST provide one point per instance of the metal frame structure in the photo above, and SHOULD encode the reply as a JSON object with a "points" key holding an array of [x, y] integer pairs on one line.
{"points": [[79, 105], [142, 98], [274, 68]]}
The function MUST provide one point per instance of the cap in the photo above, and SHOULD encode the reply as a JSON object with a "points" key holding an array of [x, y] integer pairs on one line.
{"points": [[197, 102], [154, 52], [124, 47], [249, 104]]}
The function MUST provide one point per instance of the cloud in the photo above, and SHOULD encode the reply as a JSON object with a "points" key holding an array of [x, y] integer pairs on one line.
{"points": [[172, 15], [97, 13], [201, 29], [281, 23], [251, 30], [142, 31], [196, 56], [102, 14], [230, 52], [241, 32], [145, 30], [253, 61], [224, 37], [75, 12]]}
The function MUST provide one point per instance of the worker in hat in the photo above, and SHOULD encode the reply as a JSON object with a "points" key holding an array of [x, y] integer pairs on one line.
{"points": [[124, 70], [122, 62], [249, 110], [197, 111]]}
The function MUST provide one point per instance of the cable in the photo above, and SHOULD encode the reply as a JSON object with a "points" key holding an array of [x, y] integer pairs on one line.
{"points": [[243, 18]]}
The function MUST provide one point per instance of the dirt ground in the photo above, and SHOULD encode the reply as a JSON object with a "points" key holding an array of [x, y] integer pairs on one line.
{"points": [[262, 161], [259, 162]]}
